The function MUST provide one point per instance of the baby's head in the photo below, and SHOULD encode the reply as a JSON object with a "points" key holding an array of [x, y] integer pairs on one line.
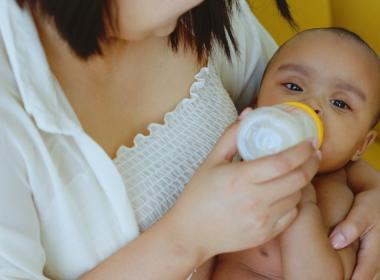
{"points": [[338, 75]]}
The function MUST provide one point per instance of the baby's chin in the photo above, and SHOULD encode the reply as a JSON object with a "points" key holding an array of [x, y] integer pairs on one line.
{"points": [[328, 165], [323, 169]]}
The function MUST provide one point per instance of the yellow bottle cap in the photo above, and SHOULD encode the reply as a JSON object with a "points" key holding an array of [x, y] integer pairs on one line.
{"points": [[313, 115]]}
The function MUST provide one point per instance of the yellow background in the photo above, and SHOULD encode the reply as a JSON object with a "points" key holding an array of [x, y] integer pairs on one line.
{"points": [[362, 17]]}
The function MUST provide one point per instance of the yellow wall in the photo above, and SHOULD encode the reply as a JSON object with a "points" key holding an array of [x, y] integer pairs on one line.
{"points": [[362, 17], [304, 12], [373, 155]]}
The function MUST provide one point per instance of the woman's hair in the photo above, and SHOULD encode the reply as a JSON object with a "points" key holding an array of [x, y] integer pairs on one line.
{"points": [[83, 24]]}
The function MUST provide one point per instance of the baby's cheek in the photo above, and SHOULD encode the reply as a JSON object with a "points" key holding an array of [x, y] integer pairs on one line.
{"points": [[334, 157], [323, 166]]}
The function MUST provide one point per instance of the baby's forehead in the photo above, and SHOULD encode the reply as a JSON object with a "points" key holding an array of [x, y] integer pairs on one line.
{"points": [[328, 36], [329, 44], [362, 54]]}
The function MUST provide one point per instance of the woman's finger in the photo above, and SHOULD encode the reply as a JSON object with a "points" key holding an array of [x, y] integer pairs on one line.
{"points": [[292, 182], [244, 113], [277, 211], [368, 262], [225, 148], [283, 206], [349, 230], [268, 168], [281, 224]]}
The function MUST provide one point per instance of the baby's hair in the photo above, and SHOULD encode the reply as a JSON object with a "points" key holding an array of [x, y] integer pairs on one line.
{"points": [[343, 32], [339, 31]]}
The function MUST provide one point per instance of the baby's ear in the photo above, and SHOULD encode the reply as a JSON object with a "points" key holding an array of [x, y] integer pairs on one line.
{"points": [[370, 137]]}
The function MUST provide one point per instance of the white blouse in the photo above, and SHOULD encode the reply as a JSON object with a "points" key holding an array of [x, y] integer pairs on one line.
{"points": [[156, 169], [65, 205]]}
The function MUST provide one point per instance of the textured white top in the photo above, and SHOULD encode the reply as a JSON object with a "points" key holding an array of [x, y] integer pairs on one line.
{"points": [[64, 204], [156, 169]]}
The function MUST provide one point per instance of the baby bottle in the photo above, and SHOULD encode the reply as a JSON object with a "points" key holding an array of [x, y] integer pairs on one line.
{"points": [[269, 130]]}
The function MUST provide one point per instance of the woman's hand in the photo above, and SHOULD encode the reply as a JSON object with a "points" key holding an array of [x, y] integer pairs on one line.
{"points": [[363, 221], [230, 206]]}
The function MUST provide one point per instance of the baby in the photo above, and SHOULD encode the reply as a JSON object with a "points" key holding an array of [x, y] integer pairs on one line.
{"points": [[338, 75]]}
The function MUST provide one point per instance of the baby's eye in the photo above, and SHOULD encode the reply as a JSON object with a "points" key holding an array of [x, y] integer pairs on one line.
{"points": [[340, 104], [292, 87]]}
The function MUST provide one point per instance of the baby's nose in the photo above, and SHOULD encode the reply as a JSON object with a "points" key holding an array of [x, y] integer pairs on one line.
{"points": [[315, 106]]}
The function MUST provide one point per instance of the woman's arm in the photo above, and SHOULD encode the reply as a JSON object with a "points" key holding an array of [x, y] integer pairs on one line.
{"points": [[363, 220], [224, 208], [305, 245], [227, 206], [159, 253], [241, 75]]}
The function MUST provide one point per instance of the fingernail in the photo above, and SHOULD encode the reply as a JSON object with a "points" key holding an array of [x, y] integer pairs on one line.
{"points": [[244, 113], [338, 241], [315, 143], [319, 154]]}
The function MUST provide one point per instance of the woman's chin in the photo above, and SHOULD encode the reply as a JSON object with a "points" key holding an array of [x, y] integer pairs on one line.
{"points": [[166, 30]]}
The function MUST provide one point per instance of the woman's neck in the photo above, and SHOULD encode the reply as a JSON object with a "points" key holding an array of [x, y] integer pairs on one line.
{"points": [[131, 83], [117, 57]]}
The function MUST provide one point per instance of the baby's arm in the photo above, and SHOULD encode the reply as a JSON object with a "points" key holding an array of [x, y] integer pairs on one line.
{"points": [[335, 199], [306, 249], [204, 272], [361, 177]]}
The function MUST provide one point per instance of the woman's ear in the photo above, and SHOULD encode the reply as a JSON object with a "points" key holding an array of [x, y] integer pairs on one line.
{"points": [[370, 137]]}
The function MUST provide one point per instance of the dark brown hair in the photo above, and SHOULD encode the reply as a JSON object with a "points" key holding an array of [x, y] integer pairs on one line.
{"points": [[82, 23]]}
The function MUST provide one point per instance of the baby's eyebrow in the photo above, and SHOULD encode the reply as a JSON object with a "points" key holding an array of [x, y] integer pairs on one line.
{"points": [[301, 69], [339, 84], [354, 90]]}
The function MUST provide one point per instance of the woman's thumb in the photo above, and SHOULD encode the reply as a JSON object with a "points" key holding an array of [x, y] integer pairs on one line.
{"points": [[350, 229], [225, 149]]}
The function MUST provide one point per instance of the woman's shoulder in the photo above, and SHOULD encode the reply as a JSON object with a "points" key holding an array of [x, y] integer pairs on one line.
{"points": [[249, 32], [12, 113], [13, 116], [241, 74], [16, 126], [8, 85]]}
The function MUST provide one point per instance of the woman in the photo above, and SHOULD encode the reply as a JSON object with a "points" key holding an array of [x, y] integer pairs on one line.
{"points": [[79, 80]]}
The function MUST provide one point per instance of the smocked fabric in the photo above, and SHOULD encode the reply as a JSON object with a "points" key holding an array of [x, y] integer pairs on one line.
{"points": [[157, 168]]}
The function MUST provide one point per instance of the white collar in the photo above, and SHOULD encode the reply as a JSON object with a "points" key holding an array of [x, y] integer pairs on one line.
{"points": [[40, 92]]}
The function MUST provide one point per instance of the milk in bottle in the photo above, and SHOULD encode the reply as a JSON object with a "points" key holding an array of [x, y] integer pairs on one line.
{"points": [[269, 130]]}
